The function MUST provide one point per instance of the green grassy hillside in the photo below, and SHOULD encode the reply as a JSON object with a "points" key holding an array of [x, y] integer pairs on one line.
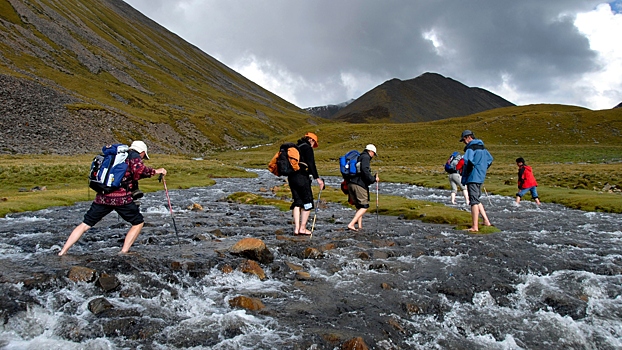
{"points": [[114, 59]]}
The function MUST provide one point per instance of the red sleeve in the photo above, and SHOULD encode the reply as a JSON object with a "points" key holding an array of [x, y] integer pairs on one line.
{"points": [[460, 165], [140, 170]]}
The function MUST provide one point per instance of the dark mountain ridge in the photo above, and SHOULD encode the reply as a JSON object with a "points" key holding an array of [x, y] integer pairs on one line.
{"points": [[77, 74], [328, 110], [428, 97]]}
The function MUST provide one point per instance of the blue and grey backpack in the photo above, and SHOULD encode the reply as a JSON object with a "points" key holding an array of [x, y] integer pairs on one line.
{"points": [[349, 164], [450, 164], [108, 168]]}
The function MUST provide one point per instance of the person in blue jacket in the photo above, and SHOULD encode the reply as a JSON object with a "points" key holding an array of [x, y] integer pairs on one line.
{"points": [[477, 160]]}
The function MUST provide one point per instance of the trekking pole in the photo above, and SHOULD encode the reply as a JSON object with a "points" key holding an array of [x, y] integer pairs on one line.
{"points": [[377, 207], [315, 214], [487, 196], [161, 179]]}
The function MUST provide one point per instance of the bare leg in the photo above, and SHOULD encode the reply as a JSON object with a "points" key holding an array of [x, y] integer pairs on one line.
{"points": [[131, 236], [74, 237], [466, 196], [358, 218], [538, 201], [517, 200], [482, 212], [453, 198], [296, 215], [304, 217], [474, 218]]}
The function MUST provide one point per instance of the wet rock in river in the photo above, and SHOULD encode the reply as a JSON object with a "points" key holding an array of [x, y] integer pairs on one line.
{"points": [[293, 266], [195, 207], [226, 268], [108, 282], [99, 305], [355, 344], [253, 248], [251, 267], [82, 274], [303, 276], [201, 237], [312, 253], [247, 303], [565, 306]]}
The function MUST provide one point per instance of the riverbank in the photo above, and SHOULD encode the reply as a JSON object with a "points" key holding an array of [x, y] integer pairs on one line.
{"points": [[33, 182]]}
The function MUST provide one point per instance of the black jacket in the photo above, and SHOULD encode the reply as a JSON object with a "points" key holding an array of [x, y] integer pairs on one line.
{"points": [[308, 157], [365, 177]]}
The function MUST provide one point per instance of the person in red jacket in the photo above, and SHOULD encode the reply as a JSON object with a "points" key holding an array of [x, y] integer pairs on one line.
{"points": [[526, 181]]}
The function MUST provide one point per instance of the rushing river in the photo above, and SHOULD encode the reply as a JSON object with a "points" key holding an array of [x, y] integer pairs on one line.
{"points": [[551, 279]]}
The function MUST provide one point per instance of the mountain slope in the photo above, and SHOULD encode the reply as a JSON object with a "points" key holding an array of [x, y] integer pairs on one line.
{"points": [[425, 98], [328, 110], [78, 73]]}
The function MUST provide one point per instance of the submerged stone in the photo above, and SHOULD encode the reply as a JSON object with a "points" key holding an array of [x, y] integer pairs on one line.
{"points": [[99, 305], [251, 267], [247, 303], [355, 344], [108, 282], [82, 274]]}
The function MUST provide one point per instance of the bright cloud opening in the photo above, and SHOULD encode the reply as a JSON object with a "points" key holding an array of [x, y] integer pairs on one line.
{"points": [[602, 27]]}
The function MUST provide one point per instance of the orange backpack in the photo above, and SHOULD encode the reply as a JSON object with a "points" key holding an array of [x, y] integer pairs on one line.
{"points": [[286, 161]]}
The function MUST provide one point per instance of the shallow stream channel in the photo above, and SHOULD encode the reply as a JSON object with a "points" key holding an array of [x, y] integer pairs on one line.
{"points": [[551, 279]]}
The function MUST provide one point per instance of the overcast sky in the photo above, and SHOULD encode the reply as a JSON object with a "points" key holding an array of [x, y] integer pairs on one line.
{"points": [[319, 52]]}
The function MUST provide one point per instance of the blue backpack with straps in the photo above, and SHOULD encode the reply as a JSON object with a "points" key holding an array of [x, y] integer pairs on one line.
{"points": [[450, 165], [108, 168], [349, 164]]}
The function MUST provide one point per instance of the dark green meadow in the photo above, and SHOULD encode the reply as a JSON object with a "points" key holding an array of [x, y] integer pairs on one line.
{"points": [[575, 154]]}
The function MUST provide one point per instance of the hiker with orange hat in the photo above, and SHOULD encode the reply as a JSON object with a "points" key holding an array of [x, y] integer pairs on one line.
{"points": [[300, 184]]}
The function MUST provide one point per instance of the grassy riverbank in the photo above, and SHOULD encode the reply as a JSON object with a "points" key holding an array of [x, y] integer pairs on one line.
{"points": [[29, 182], [576, 155]]}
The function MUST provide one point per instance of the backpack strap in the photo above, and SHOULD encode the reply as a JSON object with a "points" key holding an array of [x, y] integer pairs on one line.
{"points": [[475, 147]]}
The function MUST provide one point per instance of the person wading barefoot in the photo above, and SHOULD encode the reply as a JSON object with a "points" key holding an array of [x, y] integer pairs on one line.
{"points": [[120, 200], [300, 184], [477, 160], [358, 187]]}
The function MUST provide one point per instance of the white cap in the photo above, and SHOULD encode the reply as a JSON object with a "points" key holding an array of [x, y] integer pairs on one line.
{"points": [[139, 147], [371, 147]]}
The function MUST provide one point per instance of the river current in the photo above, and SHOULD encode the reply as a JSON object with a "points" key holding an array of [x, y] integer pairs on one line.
{"points": [[551, 279]]}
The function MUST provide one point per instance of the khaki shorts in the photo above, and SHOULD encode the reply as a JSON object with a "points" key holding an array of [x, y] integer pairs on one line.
{"points": [[358, 195]]}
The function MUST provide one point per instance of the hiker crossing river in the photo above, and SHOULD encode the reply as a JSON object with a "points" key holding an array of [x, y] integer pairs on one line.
{"points": [[551, 278]]}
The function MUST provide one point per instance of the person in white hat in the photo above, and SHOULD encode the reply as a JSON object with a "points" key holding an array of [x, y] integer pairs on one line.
{"points": [[120, 200], [358, 187]]}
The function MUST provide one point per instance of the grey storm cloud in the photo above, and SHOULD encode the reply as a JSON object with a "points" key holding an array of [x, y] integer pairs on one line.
{"points": [[478, 42]]}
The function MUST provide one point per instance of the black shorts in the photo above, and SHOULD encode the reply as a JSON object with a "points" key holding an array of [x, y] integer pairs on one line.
{"points": [[129, 212], [301, 191]]}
